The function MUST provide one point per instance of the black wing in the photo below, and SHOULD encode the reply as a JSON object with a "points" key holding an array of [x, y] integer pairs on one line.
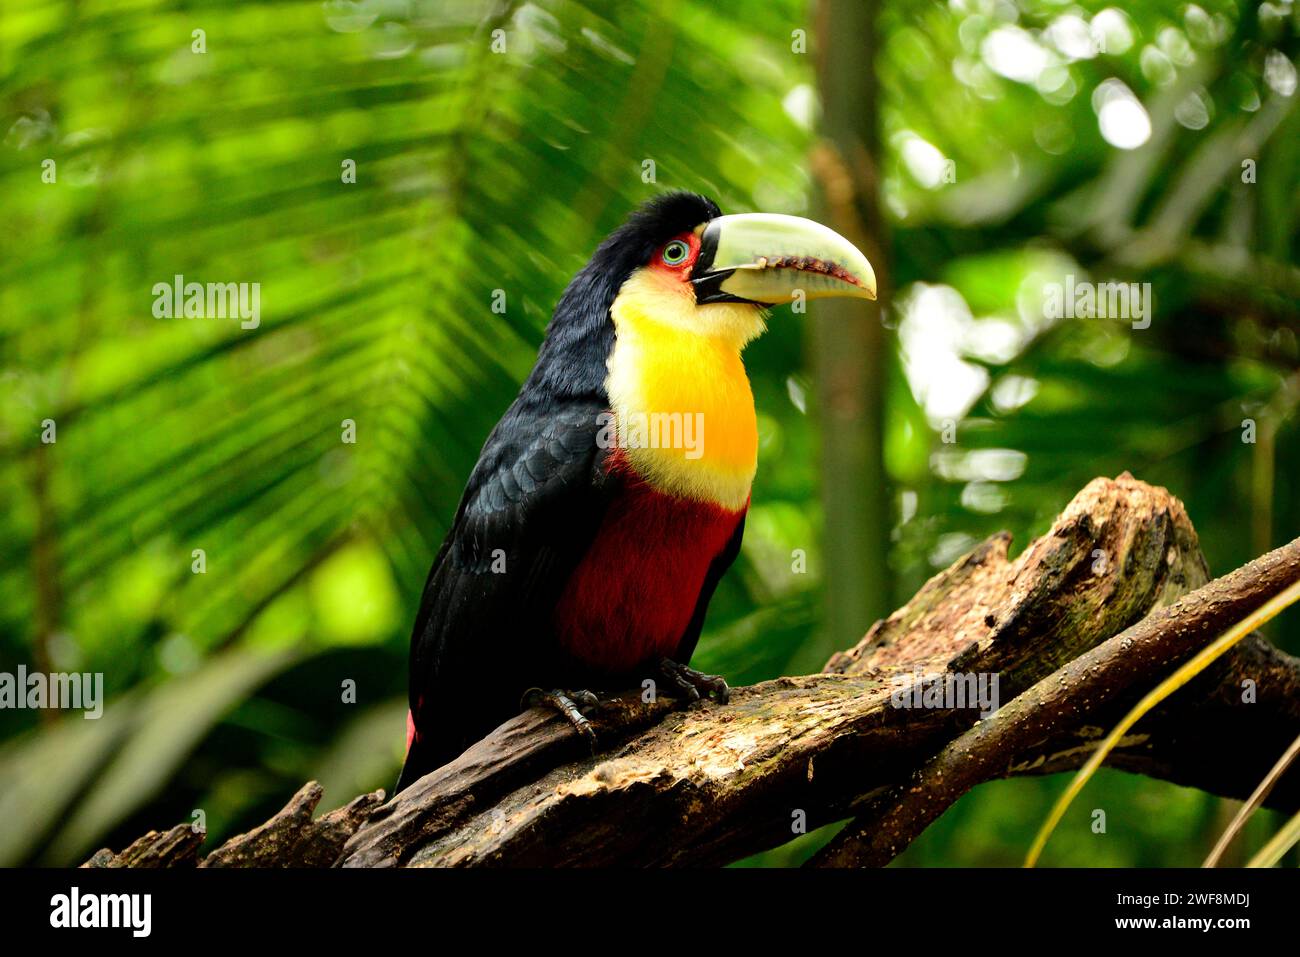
{"points": [[483, 634]]}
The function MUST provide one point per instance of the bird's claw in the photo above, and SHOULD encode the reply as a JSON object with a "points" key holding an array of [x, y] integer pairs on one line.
{"points": [[570, 704], [691, 683]]}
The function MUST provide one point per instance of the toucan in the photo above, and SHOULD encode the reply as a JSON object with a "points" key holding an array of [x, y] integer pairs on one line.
{"points": [[611, 497]]}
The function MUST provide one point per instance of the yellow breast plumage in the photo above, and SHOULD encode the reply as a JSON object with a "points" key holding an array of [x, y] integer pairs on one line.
{"points": [[682, 401]]}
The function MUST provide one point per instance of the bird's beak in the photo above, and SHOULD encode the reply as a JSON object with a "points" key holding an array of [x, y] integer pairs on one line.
{"points": [[768, 258]]}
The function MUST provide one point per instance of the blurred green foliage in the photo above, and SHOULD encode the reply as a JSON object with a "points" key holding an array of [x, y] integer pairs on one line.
{"points": [[1016, 152]]}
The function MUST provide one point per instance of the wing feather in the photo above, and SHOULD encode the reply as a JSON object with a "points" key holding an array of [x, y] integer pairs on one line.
{"points": [[530, 510]]}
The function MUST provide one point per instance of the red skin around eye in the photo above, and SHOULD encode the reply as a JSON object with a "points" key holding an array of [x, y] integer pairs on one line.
{"points": [[681, 270]]}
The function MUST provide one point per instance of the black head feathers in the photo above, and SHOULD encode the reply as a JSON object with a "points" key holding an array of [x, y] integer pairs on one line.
{"points": [[581, 333], [651, 225]]}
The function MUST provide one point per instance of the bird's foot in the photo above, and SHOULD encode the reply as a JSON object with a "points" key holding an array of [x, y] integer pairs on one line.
{"points": [[691, 684], [571, 704]]}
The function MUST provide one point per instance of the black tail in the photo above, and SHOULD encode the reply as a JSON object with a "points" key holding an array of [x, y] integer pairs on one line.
{"points": [[419, 762]]}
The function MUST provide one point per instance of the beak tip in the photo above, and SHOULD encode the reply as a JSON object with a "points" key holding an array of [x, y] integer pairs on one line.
{"points": [[867, 278]]}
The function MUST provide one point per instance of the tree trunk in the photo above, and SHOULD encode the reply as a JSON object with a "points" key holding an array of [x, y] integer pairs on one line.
{"points": [[848, 348]]}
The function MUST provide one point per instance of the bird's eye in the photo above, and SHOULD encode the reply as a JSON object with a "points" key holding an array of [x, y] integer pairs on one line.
{"points": [[676, 252]]}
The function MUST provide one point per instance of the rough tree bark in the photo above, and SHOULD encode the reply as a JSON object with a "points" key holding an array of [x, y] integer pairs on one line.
{"points": [[1076, 628]]}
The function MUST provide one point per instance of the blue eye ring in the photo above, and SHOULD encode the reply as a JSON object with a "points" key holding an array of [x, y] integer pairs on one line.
{"points": [[675, 252]]}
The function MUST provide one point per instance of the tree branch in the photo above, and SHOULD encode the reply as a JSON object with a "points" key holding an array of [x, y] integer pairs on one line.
{"points": [[1133, 659], [712, 783]]}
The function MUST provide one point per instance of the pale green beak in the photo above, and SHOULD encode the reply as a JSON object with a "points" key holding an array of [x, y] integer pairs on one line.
{"points": [[769, 258]]}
